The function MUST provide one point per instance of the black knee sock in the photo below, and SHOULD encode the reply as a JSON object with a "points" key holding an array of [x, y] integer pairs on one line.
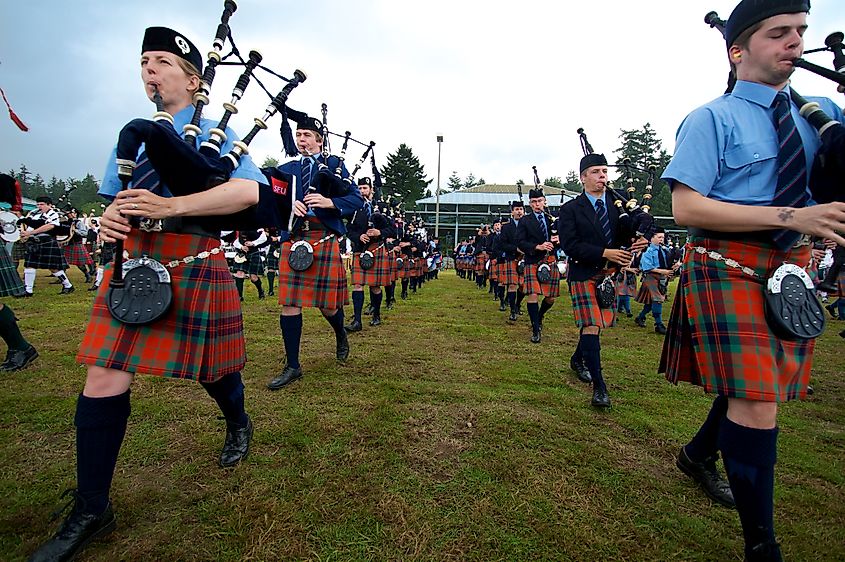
{"points": [[271, 280], [578, 356], [544, 307], [291, 335], [239, 283], [100, 428], [375, 300], [750, 456], [258, 286], [391, 292], [520, 294], [705, 444], [512, 300], [9, 330], [502, 294], [405, 285], [591, 352], [83, 270], [228, 392], [533, 313], [336, 322], [357, 304]]}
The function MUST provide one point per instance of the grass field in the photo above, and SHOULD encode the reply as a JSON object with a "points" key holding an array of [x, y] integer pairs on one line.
{"points": [[446, 436]]}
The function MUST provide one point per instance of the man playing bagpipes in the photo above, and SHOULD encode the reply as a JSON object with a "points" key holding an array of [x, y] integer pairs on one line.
{"points": [[42, 250], [509, 254], [658, 269], [322, 200], [739, 181], [249, 261], [74, 246], [369, 229], [199, 337]]}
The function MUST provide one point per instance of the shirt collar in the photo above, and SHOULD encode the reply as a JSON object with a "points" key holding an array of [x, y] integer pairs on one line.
{"points": [[760, 94], [593, 199], [183, 117]]}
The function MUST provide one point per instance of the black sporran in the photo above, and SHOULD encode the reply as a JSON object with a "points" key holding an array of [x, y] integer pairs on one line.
{"points": [[544, 273], [301, 255], [606, 292], [520, 267], [366, 260], [793, 311], [146, 294], [400, 263]]}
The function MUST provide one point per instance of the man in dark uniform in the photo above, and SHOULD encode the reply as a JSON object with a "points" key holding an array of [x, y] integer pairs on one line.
{"points": [[508, 253], [365, 236], [537, 238], [591, 235], [739, 181], [321, 203]]}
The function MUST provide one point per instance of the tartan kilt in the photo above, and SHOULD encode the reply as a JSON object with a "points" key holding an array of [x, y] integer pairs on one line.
{"points": [[718, 337], [508, 274], [391, 264], [323, 285], [650, 291], [43, 252], [106, 253], [10, 281], [626, 285], [533, 285], [272, 260], [421, 266], [200, 338], [18, 250], [480, 262], [585, 305], [77, 254], [408, 269], [493, 272], [254, 264], [377, 276]]}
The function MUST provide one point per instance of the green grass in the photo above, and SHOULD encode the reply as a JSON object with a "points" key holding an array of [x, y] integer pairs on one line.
{"points": [[446, 436]]}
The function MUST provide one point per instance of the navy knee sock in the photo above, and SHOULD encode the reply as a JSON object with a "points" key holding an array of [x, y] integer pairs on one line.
{"points": [[544, 307], [705, 444], [520, 294], [291, 334], [9, 330], [258, 286], [357, 304], [239, 283], [750, 455], [228, 392], [591, 352], [512, 300], [391, 292], [534, 314], [336, 322], [271, 280], [100, 428], [375, 300], [405, 285]]}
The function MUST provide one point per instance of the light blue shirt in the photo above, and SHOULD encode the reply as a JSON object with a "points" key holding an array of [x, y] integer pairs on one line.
{"points": [[727, 149], [593, 200], [651, 258], [111, 184]]}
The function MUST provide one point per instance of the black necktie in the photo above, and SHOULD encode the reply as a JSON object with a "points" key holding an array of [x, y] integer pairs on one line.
{"points": [[604, 220], [792, 168], [542, 220]]}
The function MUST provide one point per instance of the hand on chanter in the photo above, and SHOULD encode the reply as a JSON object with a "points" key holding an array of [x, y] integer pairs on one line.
{"points": [[144, 203], [826, 221], [639, 244], [622, 257], [299, 209], [113, 226]]}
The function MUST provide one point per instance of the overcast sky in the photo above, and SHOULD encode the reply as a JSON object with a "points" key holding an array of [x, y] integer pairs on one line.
{"points": [[506, 83]]}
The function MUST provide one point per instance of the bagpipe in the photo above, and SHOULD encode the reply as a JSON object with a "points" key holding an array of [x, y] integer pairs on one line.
{"points": [[544, 270], [139, 291], [792, 309], [828, 168]]}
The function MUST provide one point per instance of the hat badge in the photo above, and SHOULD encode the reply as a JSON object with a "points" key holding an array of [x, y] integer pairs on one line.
{"points": [[183, 45]]}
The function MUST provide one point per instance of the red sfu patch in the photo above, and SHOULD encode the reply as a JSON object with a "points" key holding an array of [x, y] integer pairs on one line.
{"points": [[280, 187]]}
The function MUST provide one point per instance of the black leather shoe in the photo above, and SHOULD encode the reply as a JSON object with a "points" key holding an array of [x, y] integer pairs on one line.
{"points": [[639, 321], [67, 290], [660, 329], [76, 531], [705, 473], [354, 326], [93, 287], [512, 317], [236, 446], [342, 350], [376, 321], [369, 310], [600, 398], [502, 307], [536, 336], [580, 370], [24, 295], [768, 551], [19, 359], [289, 374]]}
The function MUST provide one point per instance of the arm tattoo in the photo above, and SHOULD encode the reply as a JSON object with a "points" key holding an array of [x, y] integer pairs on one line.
{"points": [[785, 215]]}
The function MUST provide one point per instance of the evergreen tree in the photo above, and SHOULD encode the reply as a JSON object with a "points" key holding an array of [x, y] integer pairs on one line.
{"points": [[481, 182], [553, 181], [270, 162], [573, 182], [405, 176], [470, 181], [644, 148], [454, 182]]}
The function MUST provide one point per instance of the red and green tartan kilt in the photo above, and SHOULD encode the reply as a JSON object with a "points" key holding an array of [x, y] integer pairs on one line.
{"points": [[377, 276], [200, 337], [421, 266], [77, 254], [626, 285], [649, 290], [509, 275], [585, 305], [718, 337], [391, 264], [480, 263], [493, 272], [10, 281], [533, 285], [323, 285], [409, 269]]}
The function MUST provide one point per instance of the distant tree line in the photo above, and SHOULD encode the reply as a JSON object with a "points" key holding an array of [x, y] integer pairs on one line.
{"points": [[69, 192]]}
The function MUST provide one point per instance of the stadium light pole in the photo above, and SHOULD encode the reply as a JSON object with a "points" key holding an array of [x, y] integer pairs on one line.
{"points": [[437, 196]]}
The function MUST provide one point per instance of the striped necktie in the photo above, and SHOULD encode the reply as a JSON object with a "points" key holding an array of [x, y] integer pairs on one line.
{"points": [[792, 168], [306, 174], [604, 220], [144, 175], [542, 220]]}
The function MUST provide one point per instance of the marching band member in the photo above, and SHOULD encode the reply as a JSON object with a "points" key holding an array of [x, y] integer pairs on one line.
{"points": [[509, 254], [739, 180], [74, 249], [250, 260], [657, 267], [323, 284], [199, 338], [42, 250]]}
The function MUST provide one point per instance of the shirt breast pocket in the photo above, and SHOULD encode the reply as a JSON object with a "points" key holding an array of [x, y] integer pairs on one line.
{"points": [[749, 168]]}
